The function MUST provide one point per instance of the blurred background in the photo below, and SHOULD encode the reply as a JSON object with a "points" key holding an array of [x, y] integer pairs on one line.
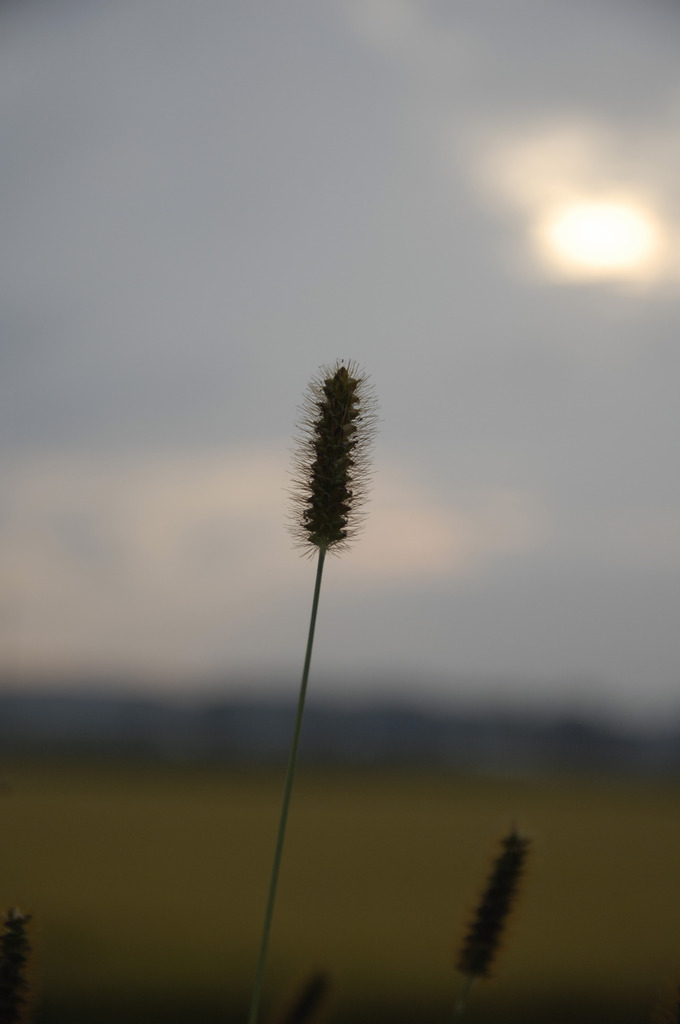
{"points": [[201, 204], [477, 202]]}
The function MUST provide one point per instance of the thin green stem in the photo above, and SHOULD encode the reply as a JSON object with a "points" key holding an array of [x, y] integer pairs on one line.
{"points": [[285, 803], [461, 1002]]}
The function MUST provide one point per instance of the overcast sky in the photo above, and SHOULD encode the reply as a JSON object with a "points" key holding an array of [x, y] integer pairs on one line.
{"points": [[479, 202]]}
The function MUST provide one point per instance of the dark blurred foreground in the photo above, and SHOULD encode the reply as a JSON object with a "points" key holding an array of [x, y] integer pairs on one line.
{"points": [[146, 882], [546, 1008]]}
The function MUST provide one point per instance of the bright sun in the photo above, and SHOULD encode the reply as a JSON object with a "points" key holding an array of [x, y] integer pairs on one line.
{"points": [[600, 239]]}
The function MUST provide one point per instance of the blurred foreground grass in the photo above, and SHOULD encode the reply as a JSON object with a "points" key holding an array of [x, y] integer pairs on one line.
{"points": [[147, 884]]}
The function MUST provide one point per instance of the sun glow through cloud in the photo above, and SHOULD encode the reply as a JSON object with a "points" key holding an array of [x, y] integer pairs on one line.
{"points": [[600, 239], [587, 209]]}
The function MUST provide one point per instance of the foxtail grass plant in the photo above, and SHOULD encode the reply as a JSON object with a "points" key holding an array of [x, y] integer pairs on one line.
{"points": [[330, 483], [483, 937], [667, 1010], [308, 1002], [14, 959]]}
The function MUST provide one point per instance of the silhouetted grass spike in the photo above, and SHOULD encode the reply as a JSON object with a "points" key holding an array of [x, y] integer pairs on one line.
{"points": [[330, 484], [668, 1009], [331, 468], [309, 1000], [484, 934], [14, 954]]}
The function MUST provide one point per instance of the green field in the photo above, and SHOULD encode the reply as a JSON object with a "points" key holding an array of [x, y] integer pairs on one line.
{"points": [[147, 885]]}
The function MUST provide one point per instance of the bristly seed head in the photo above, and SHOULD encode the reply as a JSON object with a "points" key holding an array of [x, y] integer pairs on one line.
{"points": [[331, 469], [484, 934], [14, 960], [667, 1010]]}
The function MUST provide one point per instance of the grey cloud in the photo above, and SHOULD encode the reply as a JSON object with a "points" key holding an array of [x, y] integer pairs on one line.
{"points": [[201, 204]]}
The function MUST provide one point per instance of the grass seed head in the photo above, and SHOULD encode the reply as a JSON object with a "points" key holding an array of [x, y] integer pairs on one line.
{"points": [[332, 458], [667, 1010], [14, 959], [483, 938], [309, 1000]]}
